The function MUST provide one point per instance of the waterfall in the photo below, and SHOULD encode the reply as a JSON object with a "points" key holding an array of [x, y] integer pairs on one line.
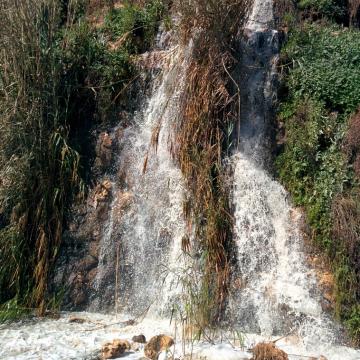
{"points": [[147, 234], [273, 291]]}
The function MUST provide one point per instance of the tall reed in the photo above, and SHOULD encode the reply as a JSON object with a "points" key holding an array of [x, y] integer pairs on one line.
{"points": [[38, 168], [210, 107]]}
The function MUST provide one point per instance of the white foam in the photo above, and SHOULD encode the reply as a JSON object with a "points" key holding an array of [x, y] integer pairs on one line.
{"points": [[59, 339]]}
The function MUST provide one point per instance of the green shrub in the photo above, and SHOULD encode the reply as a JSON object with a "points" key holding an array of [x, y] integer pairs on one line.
{"points": [[132, 23], [333, 9], [322, 83], [326, 66], [312, 165], [353, 322]]}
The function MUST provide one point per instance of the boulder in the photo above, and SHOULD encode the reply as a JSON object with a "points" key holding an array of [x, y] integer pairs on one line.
{"points": [[76, 319], [268, 351], [114, 349], [156, 345]]}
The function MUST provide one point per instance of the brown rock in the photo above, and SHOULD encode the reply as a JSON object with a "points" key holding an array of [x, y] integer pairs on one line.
{"points": [[114, 349], [139, 339], [103, 150], [79, 298], [322, 357], [88, 263], [91, 275], [100, 193], [76, 319], [156, 345], [123, 201], [268, 351]]}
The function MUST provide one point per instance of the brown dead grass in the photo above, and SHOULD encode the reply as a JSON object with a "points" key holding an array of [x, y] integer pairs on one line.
{"points": [[209, 106], [346, 231], [352, 143]]}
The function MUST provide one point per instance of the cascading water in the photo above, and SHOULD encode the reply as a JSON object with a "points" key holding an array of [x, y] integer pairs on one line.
{"points": [[273, 293], [276, 291], [147, 234]]}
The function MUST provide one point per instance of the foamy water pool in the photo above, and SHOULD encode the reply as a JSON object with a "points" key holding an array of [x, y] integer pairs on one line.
{"points": [[58, 339]]}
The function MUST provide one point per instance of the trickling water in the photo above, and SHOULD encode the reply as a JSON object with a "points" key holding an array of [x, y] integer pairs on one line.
{"points": [[146, 235]]}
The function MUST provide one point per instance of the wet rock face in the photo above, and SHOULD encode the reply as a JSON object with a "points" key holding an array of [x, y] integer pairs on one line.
{"points": [[257, 76], [103, 151], [78, 263]]}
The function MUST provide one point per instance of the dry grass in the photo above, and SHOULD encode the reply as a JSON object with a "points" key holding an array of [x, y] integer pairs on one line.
{"points": [[346, 231], [209, 107], [39, 170], [346, 225], [352, 143]]}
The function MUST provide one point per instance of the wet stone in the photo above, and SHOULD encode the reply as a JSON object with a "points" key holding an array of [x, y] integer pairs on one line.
{"points": [[114, 349], [156, 345], [139, 339]]}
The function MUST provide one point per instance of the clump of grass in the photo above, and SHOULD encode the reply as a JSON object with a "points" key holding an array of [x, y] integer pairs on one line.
{"points": [[346, 234], [209, 107], [352, 143], [39, 169]]}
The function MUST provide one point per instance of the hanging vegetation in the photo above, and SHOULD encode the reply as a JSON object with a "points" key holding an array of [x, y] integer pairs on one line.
{"points": [[209, 108]]}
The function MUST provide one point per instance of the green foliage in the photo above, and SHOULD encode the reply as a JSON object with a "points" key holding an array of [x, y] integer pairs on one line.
{"points": [[353, 322], [10, 311], [326, 66], [322, 82], [329, 8], [132, 23], [312, 165]]}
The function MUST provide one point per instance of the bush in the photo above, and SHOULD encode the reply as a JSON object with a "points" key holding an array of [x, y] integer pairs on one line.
{"points": [[318, 163], [326, 66], [312, 165], [333, 9]]}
